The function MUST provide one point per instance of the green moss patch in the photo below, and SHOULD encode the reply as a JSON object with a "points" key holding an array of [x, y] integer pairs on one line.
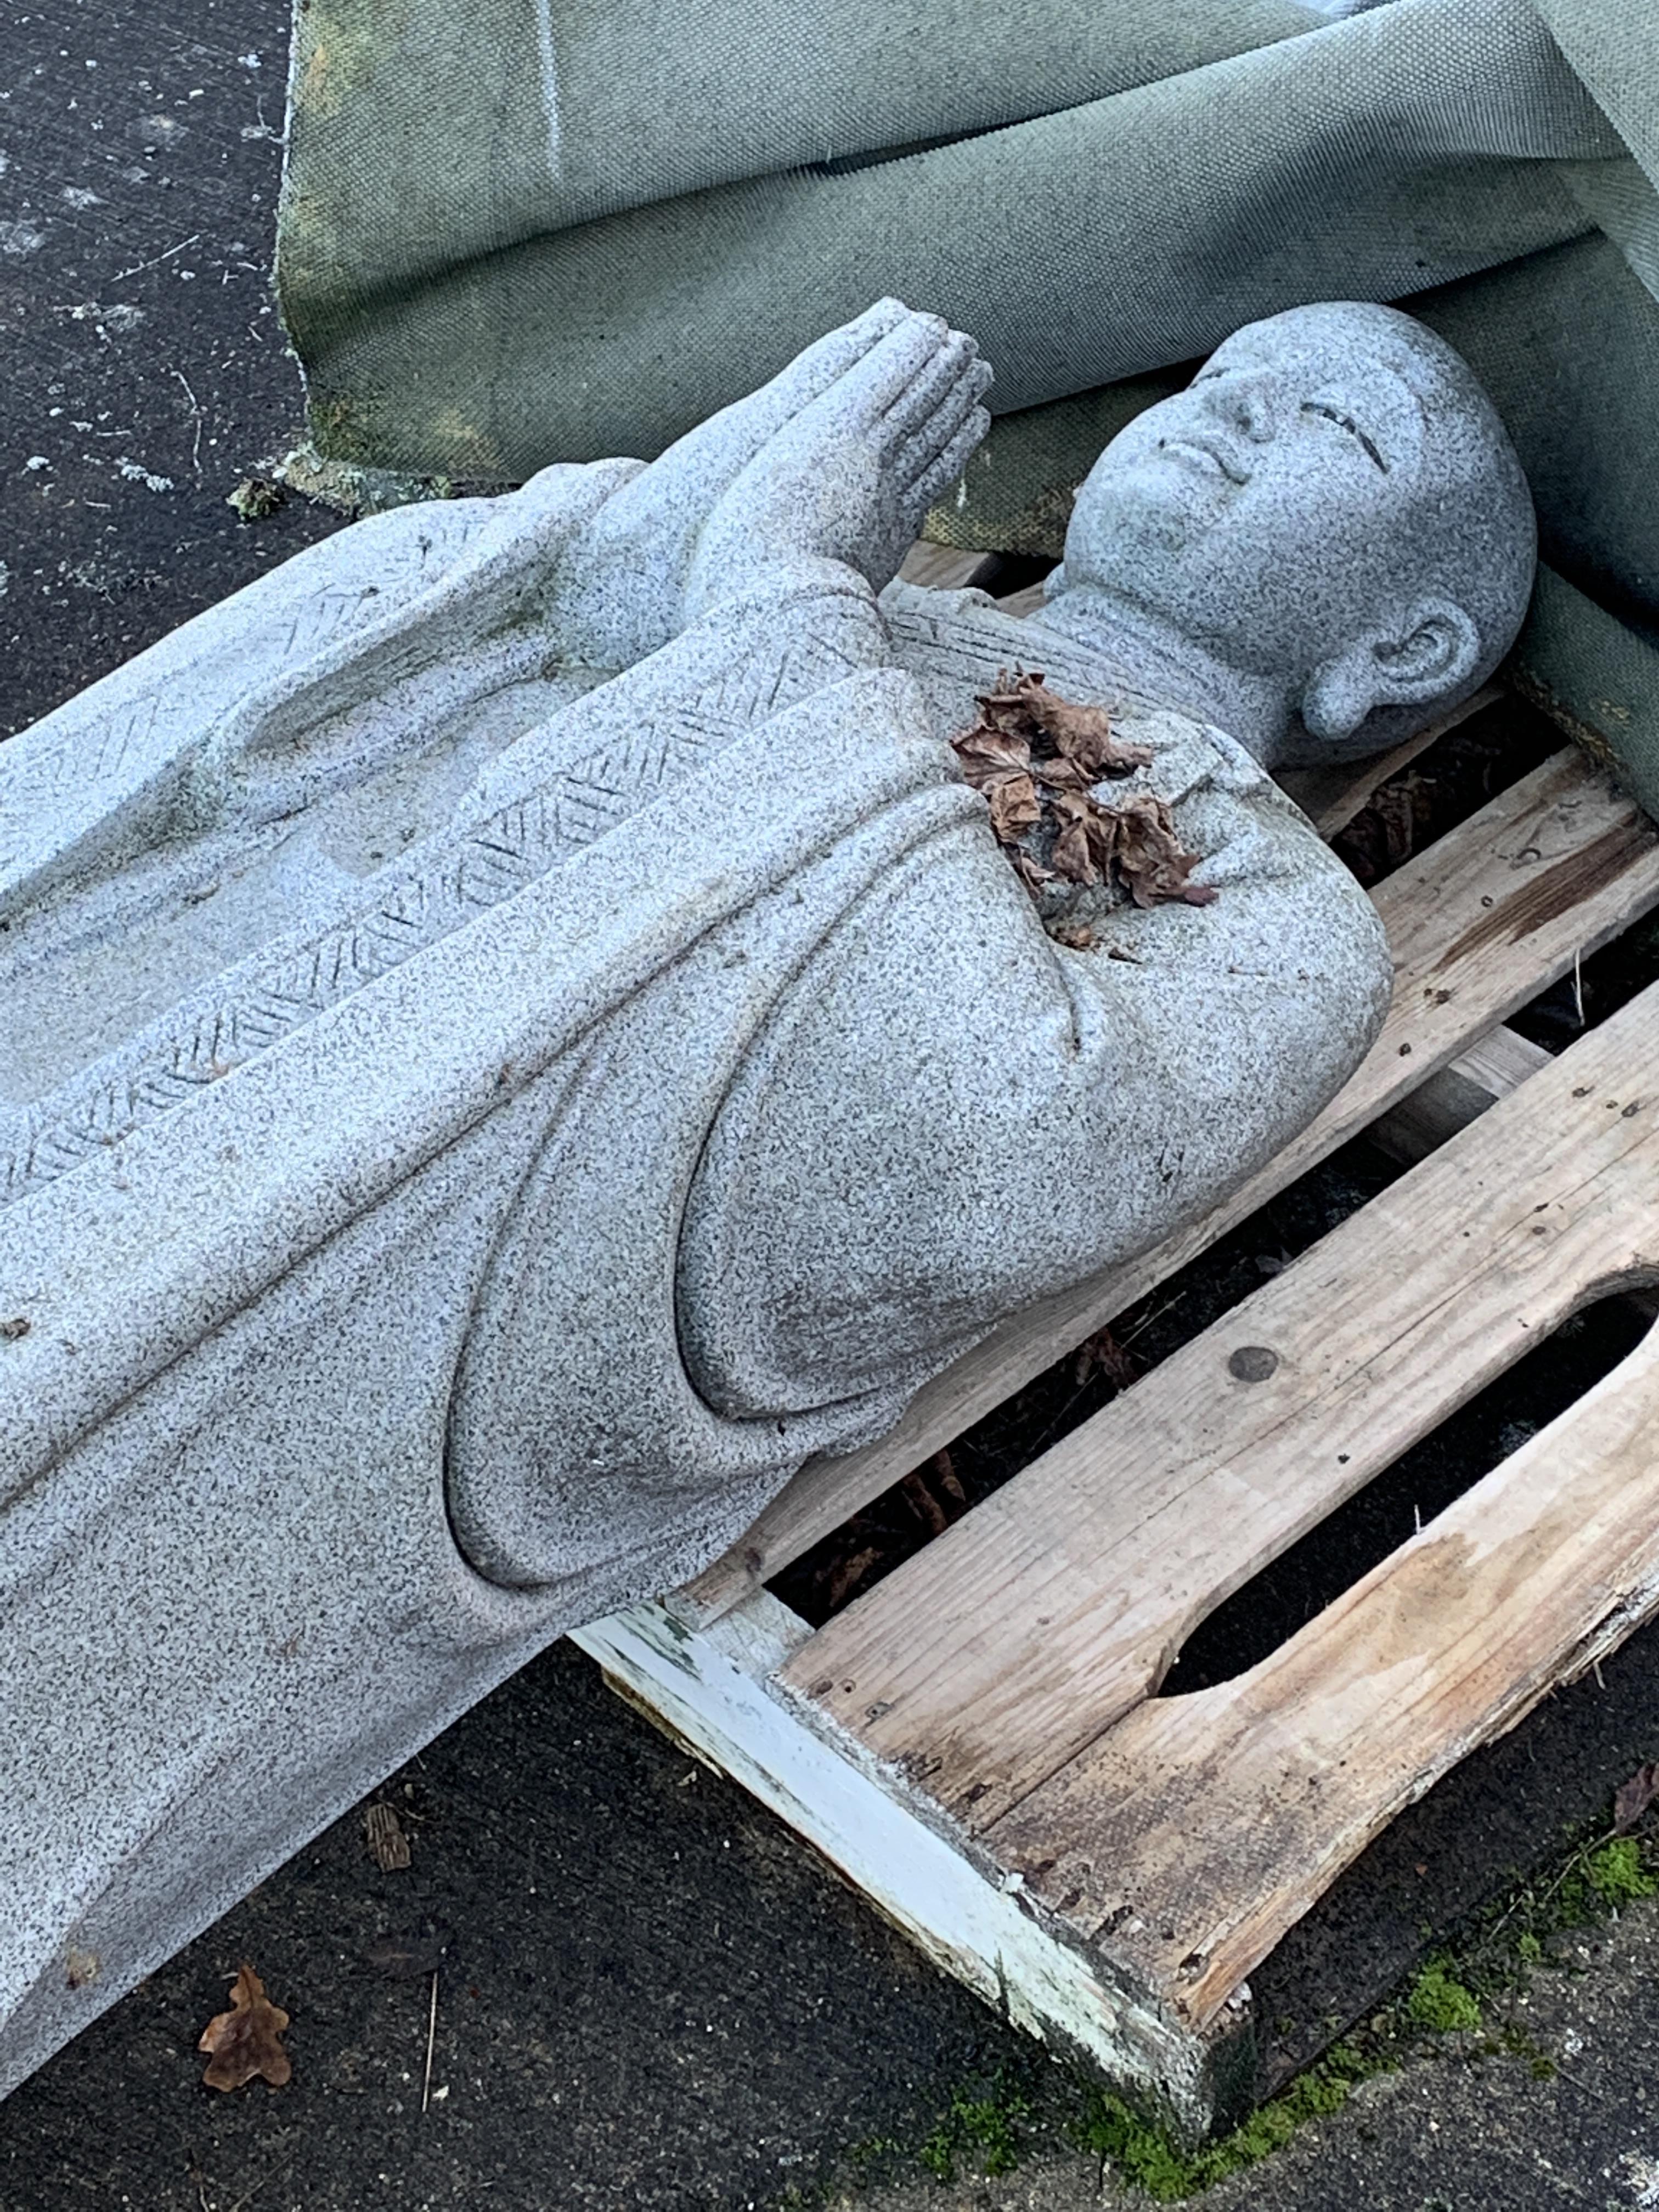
{"points": [[1140, 2152], [1441, 2004]]}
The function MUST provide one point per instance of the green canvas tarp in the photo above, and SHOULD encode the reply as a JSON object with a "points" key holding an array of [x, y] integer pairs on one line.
{"points": [[530, 230]]}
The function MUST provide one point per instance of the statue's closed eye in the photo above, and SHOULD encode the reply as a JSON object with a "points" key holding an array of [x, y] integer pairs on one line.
{"points": [[1345, 422]]}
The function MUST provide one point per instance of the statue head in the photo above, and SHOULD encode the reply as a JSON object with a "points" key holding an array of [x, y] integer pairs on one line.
{"points": [[1330, 519]]}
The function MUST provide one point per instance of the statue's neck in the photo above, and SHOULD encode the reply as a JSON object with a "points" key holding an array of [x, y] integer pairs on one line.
{"points": [[1156, 658]]}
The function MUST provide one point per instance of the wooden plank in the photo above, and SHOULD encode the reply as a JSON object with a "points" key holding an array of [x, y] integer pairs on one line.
{"points": [[943, 568], [1205, 1825], [1499, 1062], [997, 1654], [1024, 603], [1479, 922], [1493, 1065], [708, 1690]]}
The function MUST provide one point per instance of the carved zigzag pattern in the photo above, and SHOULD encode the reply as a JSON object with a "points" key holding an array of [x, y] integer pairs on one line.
{"points": [[200, 1045], [35, 781], [930, 644]]}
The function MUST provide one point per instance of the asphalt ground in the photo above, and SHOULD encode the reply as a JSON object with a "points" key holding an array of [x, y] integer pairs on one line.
{"points": [[649, 1994]]}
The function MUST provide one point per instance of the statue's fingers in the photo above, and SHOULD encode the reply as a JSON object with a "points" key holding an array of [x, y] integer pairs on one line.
{"points": [[947, 418], [870, 386], [823, 363], [922, 397], [721, 444], [838, 351], [937, 481], [880, 317]]}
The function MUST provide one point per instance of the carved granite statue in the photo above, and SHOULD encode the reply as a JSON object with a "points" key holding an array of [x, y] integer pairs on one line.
{"points": [[518, 1031]]}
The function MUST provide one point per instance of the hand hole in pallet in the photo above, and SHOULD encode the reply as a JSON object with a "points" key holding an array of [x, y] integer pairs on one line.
{"points": [[972, 1731], [1280, 1600]]}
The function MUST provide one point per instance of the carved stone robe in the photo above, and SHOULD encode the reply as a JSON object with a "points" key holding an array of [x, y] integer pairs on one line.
{"points": [[471, 1123]]}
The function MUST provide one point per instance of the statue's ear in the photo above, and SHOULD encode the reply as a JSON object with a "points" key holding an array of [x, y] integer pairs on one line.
{"points": [[1430, 656]]}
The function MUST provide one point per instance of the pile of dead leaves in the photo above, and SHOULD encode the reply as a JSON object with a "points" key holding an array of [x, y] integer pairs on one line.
{"points": [[1036, 758]]}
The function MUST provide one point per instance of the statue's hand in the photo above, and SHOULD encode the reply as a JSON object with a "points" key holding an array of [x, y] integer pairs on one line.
{"points": [[851, 478], [622, 581]]}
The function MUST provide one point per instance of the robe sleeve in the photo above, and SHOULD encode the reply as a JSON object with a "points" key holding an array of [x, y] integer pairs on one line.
{"points": [[952, 1115]]}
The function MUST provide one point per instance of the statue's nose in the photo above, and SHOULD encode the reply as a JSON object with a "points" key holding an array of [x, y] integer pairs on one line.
{"points": [[1245, 403]]}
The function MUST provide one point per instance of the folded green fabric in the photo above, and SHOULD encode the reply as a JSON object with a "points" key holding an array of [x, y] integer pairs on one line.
{"points": [[541, 230], [1597, 676]]}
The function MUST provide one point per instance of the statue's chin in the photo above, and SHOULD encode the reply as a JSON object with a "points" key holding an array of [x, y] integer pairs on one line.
{"points": [[1155, 506]]}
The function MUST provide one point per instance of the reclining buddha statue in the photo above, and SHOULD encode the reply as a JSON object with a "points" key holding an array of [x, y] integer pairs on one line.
{"points": [[522, 1026]]}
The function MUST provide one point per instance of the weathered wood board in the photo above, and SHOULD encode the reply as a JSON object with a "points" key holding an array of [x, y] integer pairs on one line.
{"points": [[1203, 1826]]}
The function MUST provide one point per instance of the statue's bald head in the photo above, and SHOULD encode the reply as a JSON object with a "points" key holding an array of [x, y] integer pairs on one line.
{"points": [[1333, 502]]}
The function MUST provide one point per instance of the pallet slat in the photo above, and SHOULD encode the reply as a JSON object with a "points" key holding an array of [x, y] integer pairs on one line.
{"points": [[1480, 923], [944, 568], [1204, 1826], [708, 1690], [1016, 1639], [1493, 1066]]}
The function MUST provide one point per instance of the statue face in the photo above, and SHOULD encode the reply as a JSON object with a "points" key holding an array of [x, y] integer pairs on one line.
{"points": [[1289, 500]]}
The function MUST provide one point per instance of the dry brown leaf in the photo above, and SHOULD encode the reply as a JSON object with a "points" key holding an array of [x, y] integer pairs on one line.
{"points": [[1084, 849], [988, 754], [1058, 774], [923, 1504], [1150, 858], [1004, 708], [383, 1833], [1635, 1797], [942, 1468], [848, 1574], [1034, 757], [1014, 808], [1101, 1354], [1071, 857], [246, 2041], [934, 1493], [1080, 733]]}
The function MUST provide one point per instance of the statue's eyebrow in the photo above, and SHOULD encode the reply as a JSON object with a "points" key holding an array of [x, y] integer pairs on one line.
{"points": [[1348, 423]]}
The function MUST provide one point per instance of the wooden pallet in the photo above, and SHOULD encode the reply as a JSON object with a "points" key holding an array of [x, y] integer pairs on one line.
{"points": [[976, 1743]]}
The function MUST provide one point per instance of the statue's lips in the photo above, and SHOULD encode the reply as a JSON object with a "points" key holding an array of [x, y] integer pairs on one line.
{"points": [[1208, 453]]}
